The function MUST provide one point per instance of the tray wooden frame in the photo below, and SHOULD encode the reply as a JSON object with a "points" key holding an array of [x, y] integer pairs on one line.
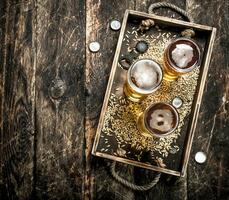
{"points": [[196, 102]]}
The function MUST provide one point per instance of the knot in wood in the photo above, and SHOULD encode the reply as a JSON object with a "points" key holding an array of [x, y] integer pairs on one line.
{"points": [[57, 88], [22, 120]]}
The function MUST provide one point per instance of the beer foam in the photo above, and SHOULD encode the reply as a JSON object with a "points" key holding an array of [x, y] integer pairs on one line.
{"points": [[182, 55], [145, 75], [162, 120]]}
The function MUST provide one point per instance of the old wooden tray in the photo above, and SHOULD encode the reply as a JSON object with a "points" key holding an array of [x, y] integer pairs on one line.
{"points": [[117, 137]]}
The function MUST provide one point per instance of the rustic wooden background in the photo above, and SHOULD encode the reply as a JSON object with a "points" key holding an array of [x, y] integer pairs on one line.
{"points": [[52, 90]]}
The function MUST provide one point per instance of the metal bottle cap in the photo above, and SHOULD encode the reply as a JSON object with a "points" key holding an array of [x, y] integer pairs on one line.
{"points": [[177, 102], [94, 46], [115, 25], [200, 157], [142, 47]]}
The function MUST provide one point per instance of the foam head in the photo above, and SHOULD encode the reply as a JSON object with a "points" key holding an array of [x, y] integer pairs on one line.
{"points": [[161, 118], [146, 74], [183, 53]]}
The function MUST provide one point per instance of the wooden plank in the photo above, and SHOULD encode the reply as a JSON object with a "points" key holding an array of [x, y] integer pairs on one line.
{"points": [[60, 99], [51, 44], [18, 90], [209, 180], [2, 50], [98, 182], [169, 187]]}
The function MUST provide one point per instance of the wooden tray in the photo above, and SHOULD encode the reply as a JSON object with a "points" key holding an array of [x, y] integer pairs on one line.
{"points": [[117, 136]]}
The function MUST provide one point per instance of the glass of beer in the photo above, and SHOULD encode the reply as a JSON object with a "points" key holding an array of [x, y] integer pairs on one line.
{"points": [[181, 56], [143, 78], [159, 119]]}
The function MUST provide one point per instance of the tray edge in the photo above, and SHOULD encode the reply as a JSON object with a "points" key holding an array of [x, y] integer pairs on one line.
{"points": [[197, 105]]}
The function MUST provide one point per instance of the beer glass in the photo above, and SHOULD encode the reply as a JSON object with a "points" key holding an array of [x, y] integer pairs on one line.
{"points": [[143, 78], [159, 119], [181, 56]]}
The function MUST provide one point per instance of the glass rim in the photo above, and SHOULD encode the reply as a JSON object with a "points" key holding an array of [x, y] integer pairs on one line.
{"points": [[140, 90], [172, 65], [169, 132]]}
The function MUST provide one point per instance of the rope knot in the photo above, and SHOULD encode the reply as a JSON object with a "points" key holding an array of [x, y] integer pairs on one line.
{"points": [[188, 33], [146, 24]]}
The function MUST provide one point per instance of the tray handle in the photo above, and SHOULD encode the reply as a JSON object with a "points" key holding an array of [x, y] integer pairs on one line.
{"points": [[132, 185], [187, 32]]}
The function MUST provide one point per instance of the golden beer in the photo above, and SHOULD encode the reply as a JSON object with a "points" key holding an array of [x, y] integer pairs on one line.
{"points": [[181, 56], [143, 78], [159, 119]]}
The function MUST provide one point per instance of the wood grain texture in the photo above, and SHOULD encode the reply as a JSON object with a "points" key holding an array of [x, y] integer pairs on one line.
{"points": [[98, 182], [60, 101], [52, 89], [210, 181], [2, 50], [18, 84]]}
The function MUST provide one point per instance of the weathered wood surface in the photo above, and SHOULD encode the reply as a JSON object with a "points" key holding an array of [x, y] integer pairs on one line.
{"points": [[210, 181], [60, 100], [52, 90], [18, 100]]}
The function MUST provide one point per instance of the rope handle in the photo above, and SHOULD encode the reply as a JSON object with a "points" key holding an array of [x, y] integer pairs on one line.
{"points": [[132, 185], [173, 7], [185, 33]]}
